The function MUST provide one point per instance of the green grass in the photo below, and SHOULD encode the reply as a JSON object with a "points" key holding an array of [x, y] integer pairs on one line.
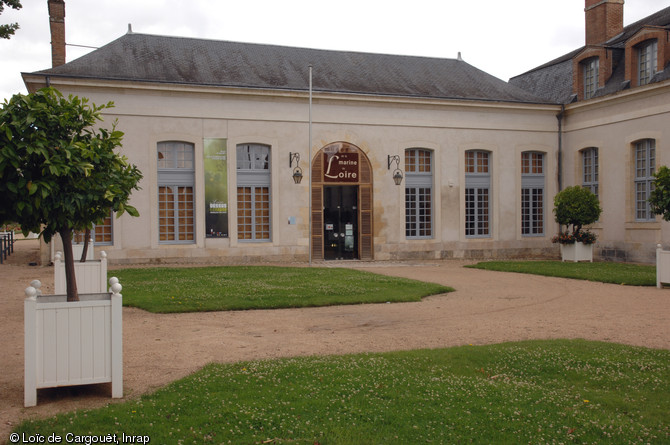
{"points": [[530, 392], [258, 287], [617, 273]]}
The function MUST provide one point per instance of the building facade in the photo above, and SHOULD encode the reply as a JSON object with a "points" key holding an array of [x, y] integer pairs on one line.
{"points": [[220, 128], [614, 92]]}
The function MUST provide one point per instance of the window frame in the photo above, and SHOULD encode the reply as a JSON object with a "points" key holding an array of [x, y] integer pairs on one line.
{"points": [[533, 189], [591, 72], [176, 172], [419, 214], [477, 194], [647, 61], [590, 170], [98, 237], [643, 182], [255, 174]]}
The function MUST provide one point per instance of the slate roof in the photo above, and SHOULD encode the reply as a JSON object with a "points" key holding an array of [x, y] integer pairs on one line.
{"points": [[553, 80], [177, 60]]}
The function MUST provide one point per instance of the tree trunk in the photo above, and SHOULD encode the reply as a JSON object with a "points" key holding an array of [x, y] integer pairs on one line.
{"points": [[84, 252], [70, 280]]}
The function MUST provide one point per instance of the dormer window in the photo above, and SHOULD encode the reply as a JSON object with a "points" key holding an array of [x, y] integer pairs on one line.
{"points": [[591, 67], [647, 61]]}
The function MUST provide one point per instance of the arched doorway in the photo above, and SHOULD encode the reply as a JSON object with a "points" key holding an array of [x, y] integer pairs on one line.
{"points": [[341, 203]]}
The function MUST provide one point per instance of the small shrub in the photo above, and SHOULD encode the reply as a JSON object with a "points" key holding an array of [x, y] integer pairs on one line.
{"points": [[576, 206]]}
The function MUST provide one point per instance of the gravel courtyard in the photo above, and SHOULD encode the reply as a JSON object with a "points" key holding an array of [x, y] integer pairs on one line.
{"points": [[487, 307]]}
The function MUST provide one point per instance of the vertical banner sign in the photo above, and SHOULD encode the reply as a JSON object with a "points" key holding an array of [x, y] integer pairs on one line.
{"points": [[216, 188]]}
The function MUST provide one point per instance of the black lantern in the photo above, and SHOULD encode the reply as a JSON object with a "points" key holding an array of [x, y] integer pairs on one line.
{"points": [[297, 171], [397, 173]]}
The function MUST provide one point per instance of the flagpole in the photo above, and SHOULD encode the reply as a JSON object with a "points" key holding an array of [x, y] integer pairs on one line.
{"points": [[309, 155]]}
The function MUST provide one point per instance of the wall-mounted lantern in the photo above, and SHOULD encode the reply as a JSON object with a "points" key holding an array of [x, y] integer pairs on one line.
{"points": [[397, 173], [297, 171]]}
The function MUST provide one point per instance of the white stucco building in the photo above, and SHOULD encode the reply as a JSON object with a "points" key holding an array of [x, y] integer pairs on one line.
{"points": [[215, 128]]}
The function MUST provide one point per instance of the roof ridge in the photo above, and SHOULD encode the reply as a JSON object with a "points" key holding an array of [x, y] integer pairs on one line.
{"points": [[285, 46]]}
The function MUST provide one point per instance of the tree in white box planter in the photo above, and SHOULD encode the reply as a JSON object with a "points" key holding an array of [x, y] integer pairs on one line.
{"points": [[659, 203], [576, 207], [659, 198], [57, 173]]}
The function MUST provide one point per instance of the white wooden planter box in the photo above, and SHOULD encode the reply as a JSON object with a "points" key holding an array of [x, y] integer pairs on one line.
{"points": [[72, 343], [577, 252], [91, 276], [662, 266], [78, 249]]}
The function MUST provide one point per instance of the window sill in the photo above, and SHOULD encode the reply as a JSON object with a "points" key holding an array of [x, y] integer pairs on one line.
{"points": [[643, 225], [176, 243]]}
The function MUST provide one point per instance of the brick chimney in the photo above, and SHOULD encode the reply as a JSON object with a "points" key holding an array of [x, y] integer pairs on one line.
{"points": [[57, 26], [604, 20]]}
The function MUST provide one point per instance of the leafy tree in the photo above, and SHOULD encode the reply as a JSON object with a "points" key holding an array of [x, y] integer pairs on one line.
{"points": [[57, 173], [6, 31], [659, 199], [576, 206]]}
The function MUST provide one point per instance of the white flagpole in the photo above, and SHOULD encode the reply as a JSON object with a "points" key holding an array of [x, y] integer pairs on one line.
{"points": [[309, 155]]}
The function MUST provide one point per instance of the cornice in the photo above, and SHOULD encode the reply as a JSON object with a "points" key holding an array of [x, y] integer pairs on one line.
{"points": [[635, 93], [36, 81]]}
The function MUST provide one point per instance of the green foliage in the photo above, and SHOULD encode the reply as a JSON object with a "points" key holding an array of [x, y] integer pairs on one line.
{"points": [[537, 392], [197, 289], [615, 273], [659, 199], [6, 31], [56, 172], [576, 206], [582, 236]]}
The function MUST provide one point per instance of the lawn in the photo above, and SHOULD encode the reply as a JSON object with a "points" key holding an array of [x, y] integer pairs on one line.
{"points": [[605, 272], [561, 391], [262, 287]]}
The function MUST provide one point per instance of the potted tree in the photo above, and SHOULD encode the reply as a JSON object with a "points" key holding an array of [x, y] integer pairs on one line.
{"points": [[574, 208], [60, 175], [659, 198], [659, 203]]}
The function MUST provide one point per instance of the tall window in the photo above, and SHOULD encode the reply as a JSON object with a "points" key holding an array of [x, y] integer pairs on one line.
{"points": [[645, 166], [477, 193], [590, 169], [176, 199], [418, 193], [253, 192], [647, 60], [532, 193], [101, 234], [590, 77]]}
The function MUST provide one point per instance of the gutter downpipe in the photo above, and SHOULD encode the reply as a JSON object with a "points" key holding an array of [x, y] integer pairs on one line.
{"points": [[560, 116]]}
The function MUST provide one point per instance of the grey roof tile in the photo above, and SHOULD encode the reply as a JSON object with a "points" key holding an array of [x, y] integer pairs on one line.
{"points": [[553, 82], [151, 58]]}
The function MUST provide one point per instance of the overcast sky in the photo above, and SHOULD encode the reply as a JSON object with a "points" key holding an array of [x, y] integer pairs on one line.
{"points": [[503, 38]]}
